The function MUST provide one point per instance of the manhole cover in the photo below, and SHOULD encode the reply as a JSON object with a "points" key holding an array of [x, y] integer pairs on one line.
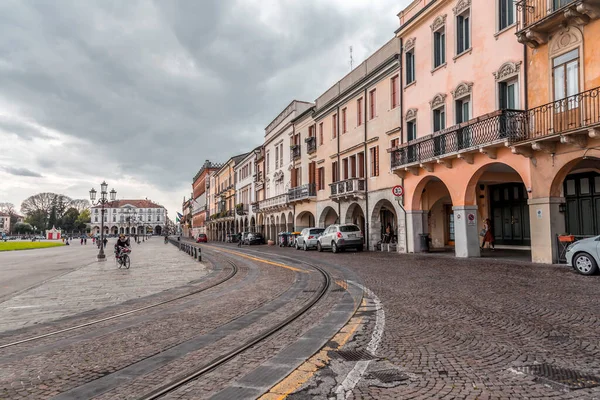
{"points": [[355, 355], [563, 376], [388, 376]]}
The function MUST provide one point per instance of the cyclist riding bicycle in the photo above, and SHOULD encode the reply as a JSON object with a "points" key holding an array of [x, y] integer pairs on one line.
{"points": [[122, 242]]}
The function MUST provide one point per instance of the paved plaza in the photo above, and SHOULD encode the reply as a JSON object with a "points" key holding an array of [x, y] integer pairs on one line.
{"points": [[68, 280], [427, 327]]}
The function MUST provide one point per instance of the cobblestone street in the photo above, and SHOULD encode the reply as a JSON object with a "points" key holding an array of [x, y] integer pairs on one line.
{"points": [[466, 329]]}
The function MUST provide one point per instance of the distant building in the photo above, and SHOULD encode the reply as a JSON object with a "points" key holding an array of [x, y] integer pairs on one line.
{"points": [[4, 223], [130, 217], [199, 201]]}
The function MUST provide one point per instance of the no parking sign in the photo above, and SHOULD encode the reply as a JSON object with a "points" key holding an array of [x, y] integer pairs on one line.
{"points": [[398, 191]]}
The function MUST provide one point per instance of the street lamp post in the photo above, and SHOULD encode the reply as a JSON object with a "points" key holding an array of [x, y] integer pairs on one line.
{"points": [[102, 202]]}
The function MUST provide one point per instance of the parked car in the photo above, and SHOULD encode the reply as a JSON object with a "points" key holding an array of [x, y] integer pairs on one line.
{"points": [[341, 237], [308, 238], [584, 255], [202, 238], [245, 237], [255, 238]]}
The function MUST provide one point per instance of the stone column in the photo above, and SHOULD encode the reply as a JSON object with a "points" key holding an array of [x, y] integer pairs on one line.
{"points": [[546, 221], [466, 235], [415, 227]]}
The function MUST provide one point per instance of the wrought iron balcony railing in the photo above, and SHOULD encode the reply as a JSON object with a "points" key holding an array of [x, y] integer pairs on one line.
{"points": [[347, 187], [241, 209], [258, 176], [303, 192], [570, 114], [296, 154], [499, 126], [281, 200], [530, 12], [311, 144], [222, 215], [255, 207]]}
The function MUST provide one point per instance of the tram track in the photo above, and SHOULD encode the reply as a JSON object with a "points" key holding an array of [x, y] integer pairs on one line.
{"points": [[190, 376], [234, 271]]}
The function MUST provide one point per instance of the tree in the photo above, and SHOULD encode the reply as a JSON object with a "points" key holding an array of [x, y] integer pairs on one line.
{"points": [[82, 220], [69, 220], [50, 205], [37, 219], [80, 204], [22, 227]]}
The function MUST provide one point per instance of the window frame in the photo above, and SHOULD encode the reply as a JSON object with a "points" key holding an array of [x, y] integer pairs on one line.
{"points": [[500, 4], [359, 111], [372, 103], [394, 91], [410, 68], [563, 65], [464, 14], [441, 31], [344, 120], [334, 126], [320, 133]]}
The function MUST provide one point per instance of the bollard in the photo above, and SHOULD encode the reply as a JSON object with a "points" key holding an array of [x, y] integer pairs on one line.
{"points": [[199, 254]]}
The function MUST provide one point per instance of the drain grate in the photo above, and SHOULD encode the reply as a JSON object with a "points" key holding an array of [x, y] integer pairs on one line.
{"points": [[355, 355], [564, 377], [388, 376]]}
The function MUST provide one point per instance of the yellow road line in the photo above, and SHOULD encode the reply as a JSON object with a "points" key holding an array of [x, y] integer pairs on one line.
{"points": [[309, 368], [259, 259]]}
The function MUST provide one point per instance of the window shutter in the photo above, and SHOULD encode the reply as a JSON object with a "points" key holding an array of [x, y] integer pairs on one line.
{"points": [[377, 161]]}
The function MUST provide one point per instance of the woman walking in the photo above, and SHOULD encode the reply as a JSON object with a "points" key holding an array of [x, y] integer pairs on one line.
{"points": [[488, 234]]}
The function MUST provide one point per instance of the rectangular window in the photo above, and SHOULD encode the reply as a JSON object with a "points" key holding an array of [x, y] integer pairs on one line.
{"points": [[506, 10], [561, 3], [439, 119], [374, 154], [276, 157], [352, 163], [566, 75], [411, 130], [281, 155], [361, 165], [463, 37], [344, 125], [268, 164], [394, 90], [439, 47], [508, 95], [321, 133], [394, 143], [334, 126], [359, 110], [410, 66], [372, 104], [462, 110], [334, 171], [321, 178]]}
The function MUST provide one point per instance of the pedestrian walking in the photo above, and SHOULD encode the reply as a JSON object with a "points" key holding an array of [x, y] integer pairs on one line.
{"points": [[488, 234], [239, 239], [85, 241], [105, 241], [82, 241]]}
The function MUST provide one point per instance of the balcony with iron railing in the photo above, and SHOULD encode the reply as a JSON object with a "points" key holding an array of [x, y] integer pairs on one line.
{"points": [[302, 192], [496, 129], [296, 151], [241, 209], [255, 207], [536, 19], [273, 203], [352, 188], [570, 120], [311, 144], [225, 214]]}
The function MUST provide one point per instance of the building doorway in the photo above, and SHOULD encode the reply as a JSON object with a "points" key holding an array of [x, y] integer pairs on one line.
{"points": [[582, 196], [510, 214]]}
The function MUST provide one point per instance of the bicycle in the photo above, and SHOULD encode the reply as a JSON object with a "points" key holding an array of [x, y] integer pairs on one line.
{"points": [[122, 257]]}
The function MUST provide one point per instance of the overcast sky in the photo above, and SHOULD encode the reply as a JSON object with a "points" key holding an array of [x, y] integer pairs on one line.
{"points": [[140, 93]]}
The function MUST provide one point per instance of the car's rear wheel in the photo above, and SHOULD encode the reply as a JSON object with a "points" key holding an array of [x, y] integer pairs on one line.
{"points": [[334, 248], [297, 246], [585, 264], [359, 248], [319, 247]]}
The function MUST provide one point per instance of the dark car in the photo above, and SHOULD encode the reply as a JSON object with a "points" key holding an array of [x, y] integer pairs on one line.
{"points": [[202, 238], [255, 238]]}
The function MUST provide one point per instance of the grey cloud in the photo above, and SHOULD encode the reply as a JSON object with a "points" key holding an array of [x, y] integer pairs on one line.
{"points": [[107, 72], [21, 172]]}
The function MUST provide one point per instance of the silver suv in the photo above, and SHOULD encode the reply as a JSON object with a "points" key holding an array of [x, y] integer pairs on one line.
{"points": [[308, 238], [341, 237]]}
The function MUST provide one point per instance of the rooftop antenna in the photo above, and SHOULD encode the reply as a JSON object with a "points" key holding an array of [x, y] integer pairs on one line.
{"points": [[351, 59]]}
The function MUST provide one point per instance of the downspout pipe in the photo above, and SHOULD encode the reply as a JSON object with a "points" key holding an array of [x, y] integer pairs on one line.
{"points": [[366, 233], [401, 94], [337, 135]]}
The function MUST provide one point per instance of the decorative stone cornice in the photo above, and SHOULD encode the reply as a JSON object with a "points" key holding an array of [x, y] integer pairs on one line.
{"points": [[438, 22], [461, 6], [411, 114], [507, 70], [438, 100], [410, 44], [463, 89]]}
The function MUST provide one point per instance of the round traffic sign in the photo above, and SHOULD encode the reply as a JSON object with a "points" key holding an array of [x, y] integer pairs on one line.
{"points": [[398, 191]]}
